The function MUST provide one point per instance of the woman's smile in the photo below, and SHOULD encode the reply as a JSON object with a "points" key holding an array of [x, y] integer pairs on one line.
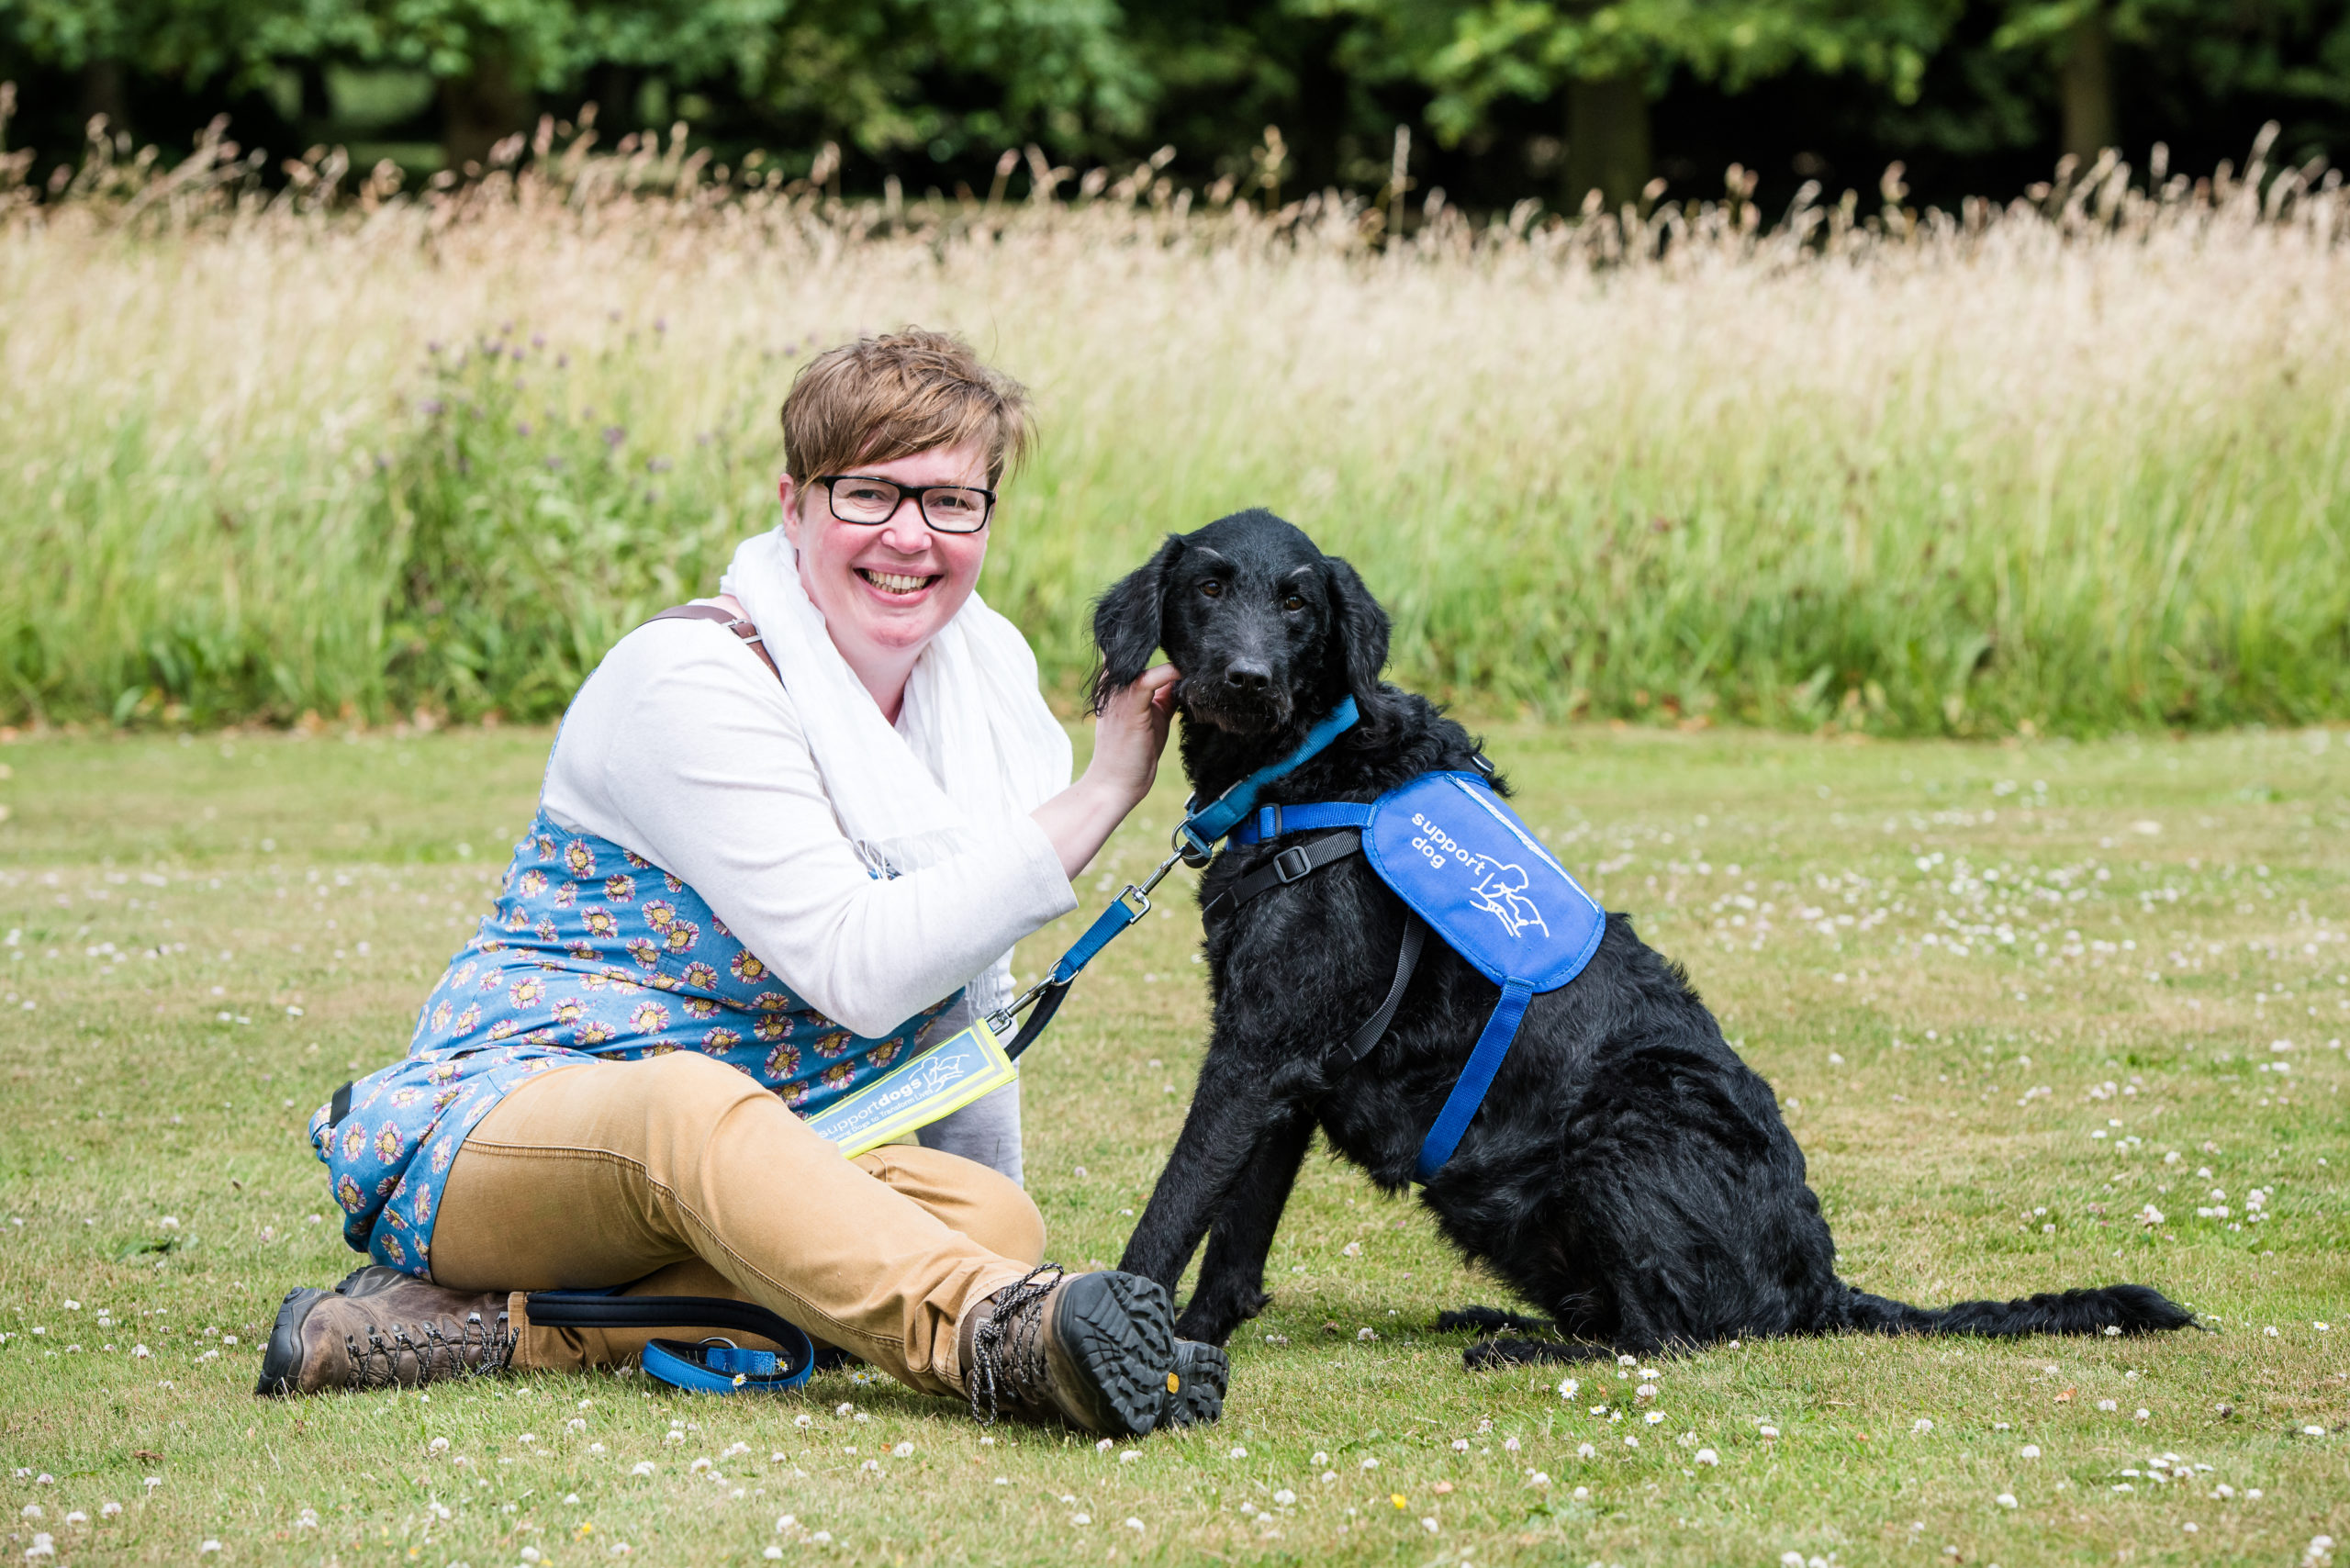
{"points": [[901, 586]]}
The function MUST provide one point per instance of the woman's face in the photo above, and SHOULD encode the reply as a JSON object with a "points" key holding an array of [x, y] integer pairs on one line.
{"points": [[886, 588]]}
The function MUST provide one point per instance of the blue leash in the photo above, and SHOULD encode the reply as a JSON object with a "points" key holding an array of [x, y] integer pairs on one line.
{"points": [[1202, 829], [1196, 838]]}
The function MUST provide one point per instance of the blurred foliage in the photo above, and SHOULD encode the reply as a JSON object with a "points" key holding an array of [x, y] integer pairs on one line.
{"points": [[2298, 46], [1472, 55], [534, 527], [880, 76], [2071, 464], [1974, 94]]}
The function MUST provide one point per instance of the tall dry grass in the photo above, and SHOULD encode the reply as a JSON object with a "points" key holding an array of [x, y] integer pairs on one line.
{"points": [[2077, 463]]}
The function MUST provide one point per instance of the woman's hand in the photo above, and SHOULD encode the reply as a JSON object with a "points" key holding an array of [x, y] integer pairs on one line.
{"points": [[1126, 746], [1131, 734]]}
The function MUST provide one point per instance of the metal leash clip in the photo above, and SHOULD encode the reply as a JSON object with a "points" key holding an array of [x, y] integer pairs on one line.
{"points": [[1129, 907], [1196, 837], [1191, 846]]}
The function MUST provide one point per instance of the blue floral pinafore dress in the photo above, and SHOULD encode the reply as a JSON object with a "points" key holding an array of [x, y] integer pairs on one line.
{"points": [[592, 952]]}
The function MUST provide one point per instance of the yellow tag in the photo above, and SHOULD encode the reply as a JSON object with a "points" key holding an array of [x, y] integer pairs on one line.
{"points": [[1174, 1383], [943, 1078]]}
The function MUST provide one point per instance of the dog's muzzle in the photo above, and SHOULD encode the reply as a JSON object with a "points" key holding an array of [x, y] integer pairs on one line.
{"points": [[1240, 710]]}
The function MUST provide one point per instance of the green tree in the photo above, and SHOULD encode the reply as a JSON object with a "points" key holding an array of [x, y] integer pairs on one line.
{"points": [[879, 76], [1609, 59], [2273, 48], [953, 75], [102, 43], [882, 76]]}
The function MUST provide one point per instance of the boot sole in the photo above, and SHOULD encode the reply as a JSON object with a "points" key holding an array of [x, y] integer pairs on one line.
{"points": [[1118, 1332], [1202, 1372], [281, 1365]]}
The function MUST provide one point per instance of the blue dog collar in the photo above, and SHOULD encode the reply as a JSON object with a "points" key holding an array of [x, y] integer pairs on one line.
{"points": [[1202, 828], [1205, 826]]}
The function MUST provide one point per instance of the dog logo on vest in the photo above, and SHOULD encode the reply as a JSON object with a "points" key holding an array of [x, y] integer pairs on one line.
{"points": [[941, 1073], [1501, 892]]}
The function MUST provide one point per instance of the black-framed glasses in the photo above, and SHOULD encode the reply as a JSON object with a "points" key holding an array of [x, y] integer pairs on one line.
{"points": [[949, 508]]}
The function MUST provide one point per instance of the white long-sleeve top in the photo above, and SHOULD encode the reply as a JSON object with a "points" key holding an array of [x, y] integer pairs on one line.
{"points": [[683, 747]]}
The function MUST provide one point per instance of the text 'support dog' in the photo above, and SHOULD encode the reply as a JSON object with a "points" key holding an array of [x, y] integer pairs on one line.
{"points": [[1627, 1174]]}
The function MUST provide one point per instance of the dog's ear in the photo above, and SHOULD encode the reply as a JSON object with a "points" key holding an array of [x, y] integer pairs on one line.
{"points": [[1126, 623], [1360, 629]]}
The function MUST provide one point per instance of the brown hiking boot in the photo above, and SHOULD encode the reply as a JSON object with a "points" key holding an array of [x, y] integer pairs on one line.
{"points": [[1096, 1349], [380, 1328]]}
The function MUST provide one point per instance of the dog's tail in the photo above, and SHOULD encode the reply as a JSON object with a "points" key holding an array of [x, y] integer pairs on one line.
{"points": [[2108, 1309]]}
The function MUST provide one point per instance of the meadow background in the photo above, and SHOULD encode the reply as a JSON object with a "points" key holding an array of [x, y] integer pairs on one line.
{"points": [[2074, 464], [2047, 1015]]}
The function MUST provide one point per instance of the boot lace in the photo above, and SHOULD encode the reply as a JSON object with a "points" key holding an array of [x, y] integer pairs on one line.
{"points": [[475, 1349], [1008, 1350]]}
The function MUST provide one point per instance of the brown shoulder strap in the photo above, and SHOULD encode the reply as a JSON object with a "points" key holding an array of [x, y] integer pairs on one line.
{"points": [[743, 629]]}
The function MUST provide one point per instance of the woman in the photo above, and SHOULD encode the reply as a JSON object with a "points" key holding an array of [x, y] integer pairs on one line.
{"points": [[770, 858]]}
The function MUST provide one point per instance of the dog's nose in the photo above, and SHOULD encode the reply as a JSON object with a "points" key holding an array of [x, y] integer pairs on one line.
{"points": [[1251, 677]]}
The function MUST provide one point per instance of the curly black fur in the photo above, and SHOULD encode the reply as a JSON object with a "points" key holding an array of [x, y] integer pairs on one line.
{"points": [[1627, 1174]]}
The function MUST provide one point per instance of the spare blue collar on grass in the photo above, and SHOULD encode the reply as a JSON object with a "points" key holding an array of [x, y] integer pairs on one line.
{"points": [[714, 1365], [1202, 829]]}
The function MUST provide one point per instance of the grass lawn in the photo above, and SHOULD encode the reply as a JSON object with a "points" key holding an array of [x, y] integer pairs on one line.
{"points": [[2046, 1016]]}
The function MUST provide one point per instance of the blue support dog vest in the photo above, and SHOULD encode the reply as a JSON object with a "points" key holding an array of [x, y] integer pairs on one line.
{"points": [[1461, 860]]}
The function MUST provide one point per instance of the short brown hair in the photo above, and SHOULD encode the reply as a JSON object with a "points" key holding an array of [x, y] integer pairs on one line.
{"points": [[895, 395]]}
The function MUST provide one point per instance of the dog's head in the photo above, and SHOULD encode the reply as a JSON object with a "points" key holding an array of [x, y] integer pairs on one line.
{"points": [[1267, 631]]}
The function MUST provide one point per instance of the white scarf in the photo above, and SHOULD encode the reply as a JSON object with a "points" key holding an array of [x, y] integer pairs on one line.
{"points": [[972, 717]]}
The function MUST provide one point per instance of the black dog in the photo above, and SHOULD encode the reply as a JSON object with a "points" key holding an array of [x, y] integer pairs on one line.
{"points": [[1628, 1173]]}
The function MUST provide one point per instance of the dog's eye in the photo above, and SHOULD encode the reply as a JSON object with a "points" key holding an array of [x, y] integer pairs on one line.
{"points": [[1292, 601], [1212, 588]]}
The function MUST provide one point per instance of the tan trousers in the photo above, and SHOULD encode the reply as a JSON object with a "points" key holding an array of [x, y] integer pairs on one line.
{"points": [[683, 1174]]}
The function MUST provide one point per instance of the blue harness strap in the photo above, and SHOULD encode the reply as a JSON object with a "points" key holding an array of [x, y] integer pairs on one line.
{"points": [[1447, 847], [1204, 826], [1272, 821], [1468, 1092]]}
